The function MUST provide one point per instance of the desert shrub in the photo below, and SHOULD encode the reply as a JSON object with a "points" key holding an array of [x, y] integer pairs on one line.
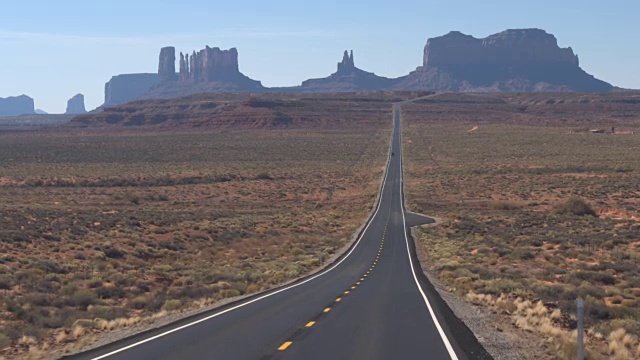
{"points": [[598, 311], [499, 286], [113, 253], [230, 293], [5, 341], [139, 302], [574, 206], [171, 305], [577, 277], [133, 198], [83, 298], [5, 283], [264, 176], [110, 292], [504, 205]]}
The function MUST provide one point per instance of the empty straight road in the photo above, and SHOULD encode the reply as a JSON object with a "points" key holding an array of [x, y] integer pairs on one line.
{"points": [[373, 303]]}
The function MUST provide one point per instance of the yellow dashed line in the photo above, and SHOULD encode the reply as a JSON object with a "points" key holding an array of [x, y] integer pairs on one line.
{"points": [[362, 279], [338, 299], [346, 292], [285, 345], [327, 310], [358, 283], [353, 287], [310, 324]]}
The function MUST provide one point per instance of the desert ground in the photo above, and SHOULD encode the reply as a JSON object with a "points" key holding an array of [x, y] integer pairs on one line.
{"points": [[156, 208], [536, 209], [106, 228]]}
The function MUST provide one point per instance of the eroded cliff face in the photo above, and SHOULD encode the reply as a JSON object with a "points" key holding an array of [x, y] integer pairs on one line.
{"points": [[16, 105], [210, 64], [167, 64], [209, 70]]}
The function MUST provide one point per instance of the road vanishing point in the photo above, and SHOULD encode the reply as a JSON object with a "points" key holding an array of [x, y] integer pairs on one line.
{"points": [[374, 302]]}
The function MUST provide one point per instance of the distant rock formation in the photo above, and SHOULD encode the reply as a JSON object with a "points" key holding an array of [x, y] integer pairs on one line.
{"points": [[167, 64], [41, 112], [210, 64], [347, 78], [127, 87], [521, 60], [75, 105], [209, 70], [347, 65], [16, 105]]}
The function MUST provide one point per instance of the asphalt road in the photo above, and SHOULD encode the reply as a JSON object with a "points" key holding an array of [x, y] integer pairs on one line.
{"points": [[373, 303]]}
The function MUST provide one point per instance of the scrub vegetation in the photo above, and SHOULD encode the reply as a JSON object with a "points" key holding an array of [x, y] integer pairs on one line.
{"points": [[103, 230], [537, 210]]}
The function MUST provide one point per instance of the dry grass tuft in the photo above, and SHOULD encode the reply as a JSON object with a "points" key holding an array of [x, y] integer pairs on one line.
{"points": [[78, 331], [621, 344]]}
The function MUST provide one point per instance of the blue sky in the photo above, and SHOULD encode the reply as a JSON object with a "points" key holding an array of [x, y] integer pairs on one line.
{"points": [[53, 50]]}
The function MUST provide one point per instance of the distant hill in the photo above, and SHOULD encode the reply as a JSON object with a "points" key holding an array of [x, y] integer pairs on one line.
{"points": [[244, 110], [33, 121], [517, 60]]}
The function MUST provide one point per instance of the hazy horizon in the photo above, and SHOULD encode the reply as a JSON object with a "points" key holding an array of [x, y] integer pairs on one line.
{"points": [[75, 46]]}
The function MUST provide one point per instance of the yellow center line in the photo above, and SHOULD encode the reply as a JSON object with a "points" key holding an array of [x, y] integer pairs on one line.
{"points": [[327, 310], [338, 299], [358, 283], [285, 345], [362, 279], [353, 287], [310, 324], [346, 292]]}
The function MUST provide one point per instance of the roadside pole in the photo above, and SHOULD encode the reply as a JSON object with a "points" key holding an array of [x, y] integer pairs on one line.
{"points": [[580, 315]]}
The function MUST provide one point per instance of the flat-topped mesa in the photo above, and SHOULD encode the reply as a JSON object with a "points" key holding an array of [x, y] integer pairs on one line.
{"points": [[167, 64], [521, 47], [346, 65]]}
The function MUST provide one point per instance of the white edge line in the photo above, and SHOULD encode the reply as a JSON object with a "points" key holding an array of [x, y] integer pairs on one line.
{"points": [[384, 182], [447, 344]]}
